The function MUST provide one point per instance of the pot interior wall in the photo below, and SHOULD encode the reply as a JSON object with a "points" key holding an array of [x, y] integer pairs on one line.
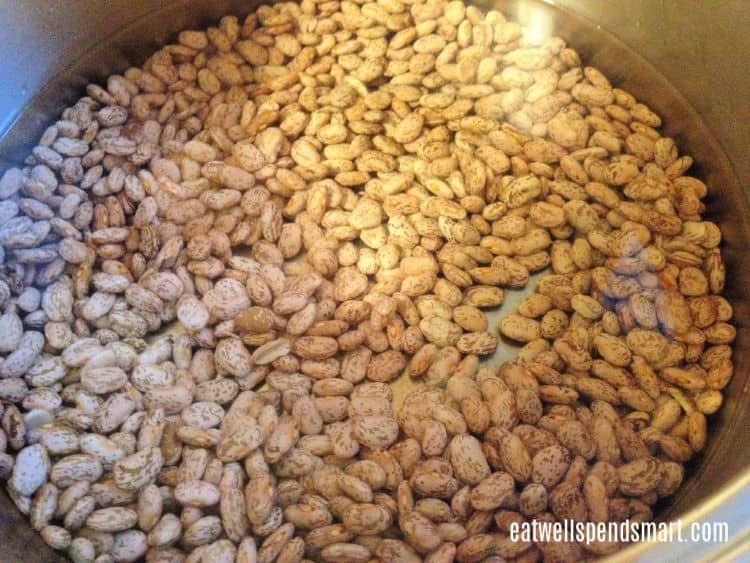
{"points": [[56, 49]]}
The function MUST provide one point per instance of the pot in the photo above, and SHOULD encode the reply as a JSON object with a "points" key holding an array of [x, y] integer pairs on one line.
{"points": [[690, 68]]}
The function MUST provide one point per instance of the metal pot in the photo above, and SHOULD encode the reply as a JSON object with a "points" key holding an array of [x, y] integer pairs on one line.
{"points": [[52, 50]]}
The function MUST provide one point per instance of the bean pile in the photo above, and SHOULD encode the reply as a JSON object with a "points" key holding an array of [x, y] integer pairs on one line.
{"points": [[323, 197]]}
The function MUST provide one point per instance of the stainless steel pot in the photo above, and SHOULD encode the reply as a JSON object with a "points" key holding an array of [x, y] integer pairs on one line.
{"points": [[50, 51]]}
